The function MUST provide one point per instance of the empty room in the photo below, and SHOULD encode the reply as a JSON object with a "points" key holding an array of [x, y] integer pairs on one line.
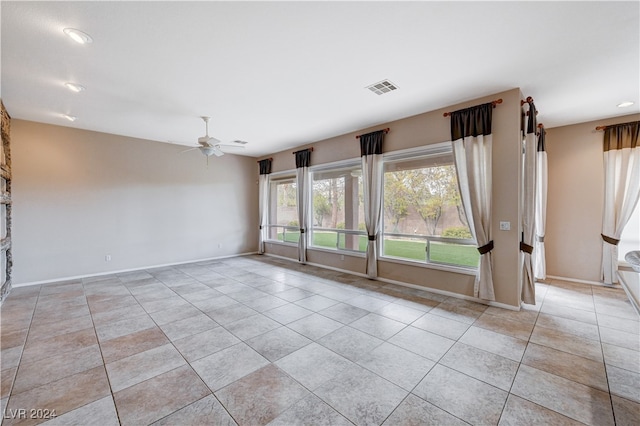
{"points": [[320, 213]]}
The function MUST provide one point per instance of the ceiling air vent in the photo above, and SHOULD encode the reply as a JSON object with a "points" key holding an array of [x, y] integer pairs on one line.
{"points": [[382, 87]]}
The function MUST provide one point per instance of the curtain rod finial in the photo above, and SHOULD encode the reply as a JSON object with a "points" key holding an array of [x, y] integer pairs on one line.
{"points": [[529, 99]]}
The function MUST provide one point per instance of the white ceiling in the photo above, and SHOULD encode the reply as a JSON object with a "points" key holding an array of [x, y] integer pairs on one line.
{"points": [[282, 74]]}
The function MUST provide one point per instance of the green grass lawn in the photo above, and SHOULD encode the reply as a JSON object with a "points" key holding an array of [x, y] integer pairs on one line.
{"points": [[404, 249]]}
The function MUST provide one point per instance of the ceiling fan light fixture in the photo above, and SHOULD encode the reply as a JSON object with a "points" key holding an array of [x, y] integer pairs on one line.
{"points": [[77, 88], [70, 117], [624, 104], [208, 150], [78, 36]]}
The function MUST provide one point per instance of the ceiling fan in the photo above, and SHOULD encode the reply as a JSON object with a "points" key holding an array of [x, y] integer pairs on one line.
{"points": [[211, 146]]}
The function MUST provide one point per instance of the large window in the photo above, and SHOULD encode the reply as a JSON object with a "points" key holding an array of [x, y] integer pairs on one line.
{"points": [[423, 216], [283, 212], [630, 238], [337, 209]]}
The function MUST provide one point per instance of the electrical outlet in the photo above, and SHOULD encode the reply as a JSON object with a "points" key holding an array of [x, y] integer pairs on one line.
{"points": [[342, 257], [219, 245], [107, 258], [505, 226]]}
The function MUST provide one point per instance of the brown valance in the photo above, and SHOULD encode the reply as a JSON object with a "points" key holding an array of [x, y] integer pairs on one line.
{"points": [[620, 136], [265, 166], [472, 121], [541, 136], [371, 143], [303, 157]]}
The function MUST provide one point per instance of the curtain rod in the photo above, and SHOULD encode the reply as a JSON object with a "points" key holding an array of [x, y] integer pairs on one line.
{"points": [[494, 103], [295, 152], [270, 158], [384, 130], [614, 125], [526, 101]]}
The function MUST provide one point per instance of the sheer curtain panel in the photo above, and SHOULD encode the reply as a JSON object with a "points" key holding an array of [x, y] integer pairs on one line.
{"points": [[542, 175], [528, 293], [371, 154], [472, 140], [303, 161], [621, 190], [263, 201]]}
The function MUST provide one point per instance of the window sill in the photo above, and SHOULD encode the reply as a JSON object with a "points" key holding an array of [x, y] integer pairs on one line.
{"points": [[340, 252], [281, 243], [438, 266]]}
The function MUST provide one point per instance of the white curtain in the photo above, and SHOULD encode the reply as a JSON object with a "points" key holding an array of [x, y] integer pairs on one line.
{"points": [[539, 255], [263, 201], [303, 160], [528, 291], [621, 190], [472, 141], [371, 151]]}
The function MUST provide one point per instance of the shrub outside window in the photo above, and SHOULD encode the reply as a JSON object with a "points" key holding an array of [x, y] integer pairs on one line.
{"points": [[337, 209], [423, 218]]}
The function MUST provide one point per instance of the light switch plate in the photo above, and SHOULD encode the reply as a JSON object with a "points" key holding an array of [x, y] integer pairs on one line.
{"points": [[505, 226]]}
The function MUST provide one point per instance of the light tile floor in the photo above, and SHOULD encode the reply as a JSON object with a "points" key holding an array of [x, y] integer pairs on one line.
{"points": [[257, 340]]}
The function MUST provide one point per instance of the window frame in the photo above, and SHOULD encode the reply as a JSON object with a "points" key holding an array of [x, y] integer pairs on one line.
{"points": [[327, 167], [416, 154], [275, 178]]}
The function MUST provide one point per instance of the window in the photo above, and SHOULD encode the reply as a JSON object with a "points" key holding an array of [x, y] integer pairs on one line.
{"points": [[337, 208], [283, 211], [423, 218], [630, 238]]}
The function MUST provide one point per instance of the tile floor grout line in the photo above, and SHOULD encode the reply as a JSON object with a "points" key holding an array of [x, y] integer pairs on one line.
{"points": [[104, 363], [604, 362], [24, 345]]}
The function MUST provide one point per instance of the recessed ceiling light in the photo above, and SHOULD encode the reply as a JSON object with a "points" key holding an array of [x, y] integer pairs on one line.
{"points": [[70, 117], [78, 36], [625, 104], [74, 87]]}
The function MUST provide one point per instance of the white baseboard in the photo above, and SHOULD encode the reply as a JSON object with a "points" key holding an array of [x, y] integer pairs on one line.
{"points": [[120, 271], [575, 280], [403, 284], [451, 294]]}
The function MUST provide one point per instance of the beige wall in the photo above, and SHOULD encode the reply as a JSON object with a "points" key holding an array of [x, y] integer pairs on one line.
{"points": [[426, 129], [575, 199], [79, 195]]}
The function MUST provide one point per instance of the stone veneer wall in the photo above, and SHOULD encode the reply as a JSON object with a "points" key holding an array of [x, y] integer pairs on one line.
{"points": [[5, 198]]}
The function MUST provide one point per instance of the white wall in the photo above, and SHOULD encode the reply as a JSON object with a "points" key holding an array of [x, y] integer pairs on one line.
{"points": [[575, 201], [80, 195]]}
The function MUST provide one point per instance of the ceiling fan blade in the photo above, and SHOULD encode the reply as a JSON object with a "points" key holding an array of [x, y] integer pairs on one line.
{"points": [[190, 149], [217, 151], [208, 141], [227, 147]]}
